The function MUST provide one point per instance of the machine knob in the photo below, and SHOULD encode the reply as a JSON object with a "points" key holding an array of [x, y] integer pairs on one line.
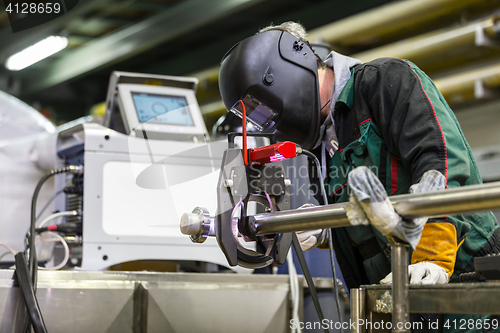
{"points": [[191, 224], [198, 225]]}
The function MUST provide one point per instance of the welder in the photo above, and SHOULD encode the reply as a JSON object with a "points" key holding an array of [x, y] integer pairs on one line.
{"points": [[380, 128]]}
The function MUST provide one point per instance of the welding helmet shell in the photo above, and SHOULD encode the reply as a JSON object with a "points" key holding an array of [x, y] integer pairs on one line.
{"points": [[275, 75]]}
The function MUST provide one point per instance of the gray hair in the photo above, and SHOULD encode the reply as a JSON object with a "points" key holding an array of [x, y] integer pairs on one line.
{"points": [[293, 28]]}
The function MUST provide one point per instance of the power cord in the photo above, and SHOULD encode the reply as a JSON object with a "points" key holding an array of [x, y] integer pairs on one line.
{"points": [[28, 293], [294, 289], [308, 277], [27, 272], [32, 262], [330, 236]]}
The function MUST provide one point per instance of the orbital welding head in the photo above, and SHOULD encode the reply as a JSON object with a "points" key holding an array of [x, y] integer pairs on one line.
{"points": [[275, 75]]}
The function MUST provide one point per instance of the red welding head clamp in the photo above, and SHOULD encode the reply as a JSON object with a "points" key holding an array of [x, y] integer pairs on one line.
{"points": [[274, 153]]}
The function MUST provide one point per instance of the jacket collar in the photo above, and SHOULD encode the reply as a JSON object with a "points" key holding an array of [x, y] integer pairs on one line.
{"points": [[347, 95], [341, 66]]}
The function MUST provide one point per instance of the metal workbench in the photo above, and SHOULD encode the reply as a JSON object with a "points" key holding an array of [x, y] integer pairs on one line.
{"points": [[81, 301], [373, 303]]}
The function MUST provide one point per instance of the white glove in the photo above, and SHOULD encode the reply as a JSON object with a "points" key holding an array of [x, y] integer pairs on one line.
{"points": [[309, 238], [355, 213], [369, 196], [423, 273], [369, 202]]}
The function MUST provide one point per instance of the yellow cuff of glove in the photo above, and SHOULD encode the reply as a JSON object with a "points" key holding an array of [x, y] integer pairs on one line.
{"points": [[438, 245]]}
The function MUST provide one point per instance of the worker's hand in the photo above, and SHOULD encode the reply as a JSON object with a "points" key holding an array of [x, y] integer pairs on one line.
{"points": [[411, 230], [355, 213], [369, 197], [309, 238], [431, 180], [423, 273]]}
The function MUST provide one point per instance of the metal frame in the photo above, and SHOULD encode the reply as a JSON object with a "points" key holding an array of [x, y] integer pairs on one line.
{"points": [[453, 201], [369, 302]]}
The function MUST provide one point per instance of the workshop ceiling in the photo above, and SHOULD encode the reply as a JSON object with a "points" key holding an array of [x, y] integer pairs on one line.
{"points": [[189, 37]]}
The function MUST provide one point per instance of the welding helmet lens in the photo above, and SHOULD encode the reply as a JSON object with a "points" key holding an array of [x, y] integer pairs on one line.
{"points": [[257, 112]]}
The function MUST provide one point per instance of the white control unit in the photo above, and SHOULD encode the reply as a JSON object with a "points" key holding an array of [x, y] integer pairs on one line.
{"points": [[144, 169]]}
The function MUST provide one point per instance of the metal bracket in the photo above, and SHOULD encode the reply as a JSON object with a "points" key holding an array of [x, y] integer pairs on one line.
{"points": [[483, 39]]}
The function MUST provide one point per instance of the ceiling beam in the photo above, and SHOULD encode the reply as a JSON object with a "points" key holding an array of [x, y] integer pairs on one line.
{"points": [[390, 18], [109, 49]]}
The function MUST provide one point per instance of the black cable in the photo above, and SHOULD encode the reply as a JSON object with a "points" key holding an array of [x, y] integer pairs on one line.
{"points": [[28, 293], [27, 237], [307, 275], [65, 228], [330, 236], [32, 262]]}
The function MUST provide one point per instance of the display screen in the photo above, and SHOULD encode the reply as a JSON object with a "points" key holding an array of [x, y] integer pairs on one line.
{"points": [[162, 109]]}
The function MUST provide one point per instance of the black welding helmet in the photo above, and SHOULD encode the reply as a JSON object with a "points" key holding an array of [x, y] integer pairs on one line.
{"points": [[275, 75]]}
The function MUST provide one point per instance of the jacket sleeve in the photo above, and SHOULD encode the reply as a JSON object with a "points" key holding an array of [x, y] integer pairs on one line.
{"points": [[416, 123], [419, 128]]}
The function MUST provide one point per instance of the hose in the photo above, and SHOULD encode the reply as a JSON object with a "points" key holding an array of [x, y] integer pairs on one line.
{"points": [[11, 250], [32, 262], [330, 236], [294, 289], [56, 215], [28, 293], [53, 237]]}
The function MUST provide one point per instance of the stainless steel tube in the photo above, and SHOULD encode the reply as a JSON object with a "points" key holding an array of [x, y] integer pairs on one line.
{"points": [[400, 288], [460, 200], [358, 310], [332, 216]]}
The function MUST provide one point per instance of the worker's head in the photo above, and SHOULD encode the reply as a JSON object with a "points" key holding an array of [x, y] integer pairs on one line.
{"points": [[274, 73]]}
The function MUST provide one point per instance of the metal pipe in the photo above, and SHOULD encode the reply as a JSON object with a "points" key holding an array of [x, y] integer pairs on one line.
{"points": [[432, 43], [461, 83], [386, 20], [459, 200], [358, 307], [400, 288]]}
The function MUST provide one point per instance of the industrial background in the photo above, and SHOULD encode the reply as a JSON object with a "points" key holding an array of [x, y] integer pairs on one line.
{"points": [[456, 42]]}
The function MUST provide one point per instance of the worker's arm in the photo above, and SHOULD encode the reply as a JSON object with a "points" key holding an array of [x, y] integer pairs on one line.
{"points": [[419, 129], [415, 122]]}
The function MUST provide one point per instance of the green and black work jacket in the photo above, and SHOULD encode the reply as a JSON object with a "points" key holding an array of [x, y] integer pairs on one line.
{"points": [[391, 118]]}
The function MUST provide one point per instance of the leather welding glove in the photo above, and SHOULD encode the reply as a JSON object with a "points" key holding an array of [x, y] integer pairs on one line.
{"points": [[423, 273], [369, 204], [310, 238], [438, 244]]}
